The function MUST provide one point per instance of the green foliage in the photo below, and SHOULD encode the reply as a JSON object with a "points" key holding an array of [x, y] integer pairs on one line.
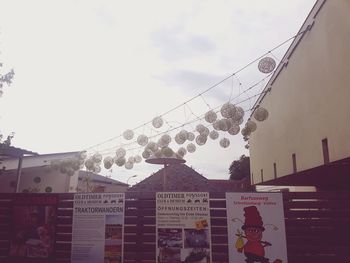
{"points": [[240, 168], [7, 141]]}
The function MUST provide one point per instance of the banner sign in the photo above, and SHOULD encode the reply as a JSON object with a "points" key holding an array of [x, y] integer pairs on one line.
{"points": [[34, 220], [98, 225], [183, 227], [256, 229]]}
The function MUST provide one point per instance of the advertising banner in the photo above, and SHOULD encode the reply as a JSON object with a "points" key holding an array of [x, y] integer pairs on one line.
{"points": [[34, 220], [256, 229], [98, 225], [183, 227]]}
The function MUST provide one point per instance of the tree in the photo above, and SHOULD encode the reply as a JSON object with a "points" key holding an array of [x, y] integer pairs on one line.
{"points": [[240, 169]]}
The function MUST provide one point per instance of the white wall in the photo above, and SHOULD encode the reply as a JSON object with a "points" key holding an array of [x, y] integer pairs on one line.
{"points": [[309, 101]]}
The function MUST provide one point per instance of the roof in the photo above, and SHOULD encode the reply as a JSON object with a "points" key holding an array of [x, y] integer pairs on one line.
{"points": [[13, 152], [307, 25], [99, 178], [180, 177]]}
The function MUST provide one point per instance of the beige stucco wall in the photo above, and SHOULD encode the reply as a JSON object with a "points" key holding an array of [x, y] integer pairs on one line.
{"points": [[309, 101]]}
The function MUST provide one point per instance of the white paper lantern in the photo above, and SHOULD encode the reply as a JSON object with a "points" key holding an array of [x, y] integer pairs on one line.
{"points": [[158, 154], [246, 131], [214, 135], [108, 162], [167, 152], [238, 114], [120, 152], [251, 125], [97, 158], [89, 164], [97, 168], [190, 136], [83, 155], [146, 154], [205, 132], [266, 65], [240, 121], [182, 152], [234, 129], [183, 135], [120, 161], [200, 128], [178, 140], [191, 148], [142, 140], [129, 165], [210, 116], [216, 125], [157, 122], [201, 140], [164, 140], [228, 110], [261, 114], [131, 159], [224, 142], [225, 124], [128, 134], [137, 158], [151, 146]]}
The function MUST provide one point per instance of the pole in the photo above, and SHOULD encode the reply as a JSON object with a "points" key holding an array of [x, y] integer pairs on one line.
{"points": [[19, 171], [164, 178]]}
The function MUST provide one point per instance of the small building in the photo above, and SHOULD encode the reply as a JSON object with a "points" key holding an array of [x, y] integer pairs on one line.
{"points": [[92, 182], [180, 177]]}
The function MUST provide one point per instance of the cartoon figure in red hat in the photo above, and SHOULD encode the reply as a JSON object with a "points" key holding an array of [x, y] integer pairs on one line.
{"points": [[254, 247]]}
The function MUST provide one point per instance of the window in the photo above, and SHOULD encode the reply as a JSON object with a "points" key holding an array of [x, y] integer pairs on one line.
{"points": [[294, 163], [325, 151]]}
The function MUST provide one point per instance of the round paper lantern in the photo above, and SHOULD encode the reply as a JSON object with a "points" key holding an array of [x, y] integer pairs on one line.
{"points": [[166, 139], [151, 146], [246, 131], [238, 114], [182, 152], [240, 121], [225, 124], [178, 140], [129, 165], [190, 136], [128, 134], [167, 152], [261, 114], [191, 148], [97, 158], [234, 129], [158, 153], [120, 161], [251, 125], [228, 110], [201, 140], [89, 164], [97, 168], [214, 135], [157, 122], [266, 65], [142, 140], [224, 142], [200, 128], [146, 154], [137, 158], [108, 162], [216, 125], [183, 135], [210, 116], [120, 152], [131, 159], [205, 132], [83, 155]]}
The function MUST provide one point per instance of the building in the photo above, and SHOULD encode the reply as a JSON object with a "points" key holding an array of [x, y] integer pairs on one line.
{"points": [[305, 140], [91, 182], [180, 177]]}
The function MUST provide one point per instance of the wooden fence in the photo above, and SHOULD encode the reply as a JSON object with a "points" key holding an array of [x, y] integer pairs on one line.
{"points": [[317, 227]]}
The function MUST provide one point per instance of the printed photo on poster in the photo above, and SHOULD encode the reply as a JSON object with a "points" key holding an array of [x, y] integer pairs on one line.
{"points": [[256, 228], [183, 227], [33, 228]]}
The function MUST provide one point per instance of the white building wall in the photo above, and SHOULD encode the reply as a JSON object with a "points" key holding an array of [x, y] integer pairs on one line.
{"points": [[309, 101]]}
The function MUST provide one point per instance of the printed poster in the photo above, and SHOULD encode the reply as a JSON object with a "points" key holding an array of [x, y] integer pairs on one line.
{"points": [[183, 227], [34, 217], [256, 229], [98, 221]]}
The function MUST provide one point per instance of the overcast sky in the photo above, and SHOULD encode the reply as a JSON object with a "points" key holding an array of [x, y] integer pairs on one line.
{"points": [[88, 70]]}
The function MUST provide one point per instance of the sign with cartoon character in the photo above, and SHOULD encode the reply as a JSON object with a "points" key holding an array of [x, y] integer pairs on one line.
{"points": [[183, 227], [98, 225], [256, 229]]}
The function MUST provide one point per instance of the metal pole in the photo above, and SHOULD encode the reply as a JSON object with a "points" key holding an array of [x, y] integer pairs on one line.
{"points": [[164, 178], [19, 171]]}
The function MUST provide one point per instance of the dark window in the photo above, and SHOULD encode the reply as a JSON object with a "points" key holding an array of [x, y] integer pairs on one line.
{"points": [[262, 175], [294, 163], [325, 151], [274, 170]]}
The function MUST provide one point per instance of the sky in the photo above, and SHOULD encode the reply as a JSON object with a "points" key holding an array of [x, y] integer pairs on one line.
{"points": [[85, 71]]}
